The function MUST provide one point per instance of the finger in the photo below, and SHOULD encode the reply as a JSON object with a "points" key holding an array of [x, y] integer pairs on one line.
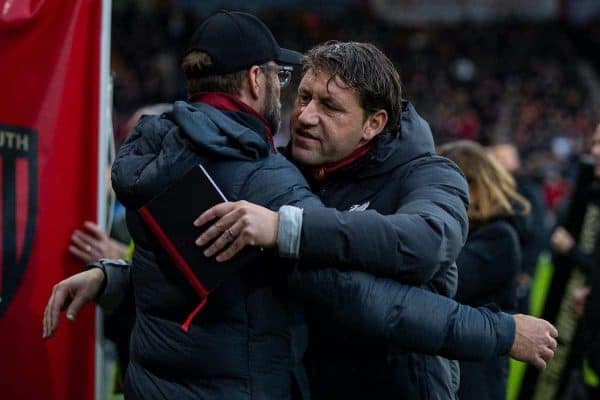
{"points": [[82, 255], [546, 354], [225, 239], [81, 244], [232, 250], [214, 212], [58, 301], [539, 363], [83, 239], [553, 331], [95, 230], [219, 228], [552, 344], [45, 323]]}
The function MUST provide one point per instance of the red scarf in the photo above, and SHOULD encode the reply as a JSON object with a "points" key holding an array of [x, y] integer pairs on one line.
{"points": [[322, 172], [226, 102]]}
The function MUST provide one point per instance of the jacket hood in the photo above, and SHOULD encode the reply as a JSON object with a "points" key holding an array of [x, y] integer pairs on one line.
{"points": [[229, 134], [163, 148], [412, 139]]}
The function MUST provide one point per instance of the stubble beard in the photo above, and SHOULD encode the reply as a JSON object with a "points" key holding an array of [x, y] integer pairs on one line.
{"points": [[272, 108]]}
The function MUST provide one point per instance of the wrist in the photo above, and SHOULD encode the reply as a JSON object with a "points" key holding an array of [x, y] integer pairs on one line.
{"points": [[98, 273]]}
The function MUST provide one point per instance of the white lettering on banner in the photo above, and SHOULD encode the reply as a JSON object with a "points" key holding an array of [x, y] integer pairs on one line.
{"points": [[14, 141]]}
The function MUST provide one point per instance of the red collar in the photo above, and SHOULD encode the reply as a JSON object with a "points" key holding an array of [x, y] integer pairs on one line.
{"points": [[323, 171], [227, 102]]}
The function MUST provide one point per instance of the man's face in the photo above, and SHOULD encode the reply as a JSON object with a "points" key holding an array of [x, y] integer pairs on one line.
{"points": [[327, 122], [271, 109]]}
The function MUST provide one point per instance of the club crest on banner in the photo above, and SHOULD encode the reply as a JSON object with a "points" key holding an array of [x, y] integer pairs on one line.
{"points": [[18, 206]]}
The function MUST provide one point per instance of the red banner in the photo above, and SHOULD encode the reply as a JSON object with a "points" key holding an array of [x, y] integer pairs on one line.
{"points": [[49, 110]]}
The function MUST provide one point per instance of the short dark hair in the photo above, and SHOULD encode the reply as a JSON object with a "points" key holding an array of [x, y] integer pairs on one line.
{"points": [[195, 63], [364, 68]]}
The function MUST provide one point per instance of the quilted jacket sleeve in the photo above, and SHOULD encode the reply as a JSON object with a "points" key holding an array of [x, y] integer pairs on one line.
{"points": [[117, 284], [427, 230], [406, 317]]}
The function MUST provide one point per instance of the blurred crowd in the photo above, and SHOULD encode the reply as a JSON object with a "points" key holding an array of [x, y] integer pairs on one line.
{"points": [[512, 81]]}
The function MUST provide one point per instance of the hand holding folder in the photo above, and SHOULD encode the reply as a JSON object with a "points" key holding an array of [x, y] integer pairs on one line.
{"points": [[170, 216]]}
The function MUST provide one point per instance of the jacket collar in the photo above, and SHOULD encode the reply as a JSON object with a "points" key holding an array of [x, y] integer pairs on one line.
{"points": [[322, 172], [226, 102]]}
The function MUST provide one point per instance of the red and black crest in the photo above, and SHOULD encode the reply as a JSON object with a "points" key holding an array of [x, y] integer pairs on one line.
{"points": [[18, 205]]}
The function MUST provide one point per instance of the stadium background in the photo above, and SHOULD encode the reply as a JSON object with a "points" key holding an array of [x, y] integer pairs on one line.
{"points": [[524, 71], [527, 72]]}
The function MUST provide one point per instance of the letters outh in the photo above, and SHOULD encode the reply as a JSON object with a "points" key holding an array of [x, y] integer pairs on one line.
{"points": [[16, 143]]}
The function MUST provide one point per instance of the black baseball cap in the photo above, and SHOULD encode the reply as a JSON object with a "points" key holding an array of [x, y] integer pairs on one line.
{"points": [[236, 40]]}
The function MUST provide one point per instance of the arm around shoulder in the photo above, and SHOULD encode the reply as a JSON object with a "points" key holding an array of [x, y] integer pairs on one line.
{"points": [[427, 229]]}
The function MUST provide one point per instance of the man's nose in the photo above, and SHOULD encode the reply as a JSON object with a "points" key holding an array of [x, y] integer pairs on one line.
{"points": [[308, 114]]}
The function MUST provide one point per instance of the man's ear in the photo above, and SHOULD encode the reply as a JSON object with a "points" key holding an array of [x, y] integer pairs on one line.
{"points": [[253, 79], [374, 125]]}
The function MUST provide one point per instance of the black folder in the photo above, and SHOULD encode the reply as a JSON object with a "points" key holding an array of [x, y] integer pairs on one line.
{"points": [[170, 216]]}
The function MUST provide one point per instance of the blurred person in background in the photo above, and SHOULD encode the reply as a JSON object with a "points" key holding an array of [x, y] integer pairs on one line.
{"points": [[90, 243], [585, 302], [576, 241], [572, 246], [491, 258], [531, 227]]}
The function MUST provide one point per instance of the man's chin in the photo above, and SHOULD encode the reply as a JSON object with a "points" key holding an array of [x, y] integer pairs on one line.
{"points": [[303, 156]]}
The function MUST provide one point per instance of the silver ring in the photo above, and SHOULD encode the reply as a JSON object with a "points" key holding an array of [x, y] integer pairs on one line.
{"points": [[230, 234]]}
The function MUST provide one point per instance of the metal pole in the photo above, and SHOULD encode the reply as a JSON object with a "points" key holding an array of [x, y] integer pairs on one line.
{"points": [[104, 130]]}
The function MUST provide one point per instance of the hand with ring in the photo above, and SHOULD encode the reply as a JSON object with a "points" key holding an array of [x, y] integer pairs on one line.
{"points": [[230, 235], [236, 225], [91, 244]]}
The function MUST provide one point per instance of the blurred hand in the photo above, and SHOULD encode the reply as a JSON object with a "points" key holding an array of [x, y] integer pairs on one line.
{"points": [[535, 341], [579, 299], [93, 244], [71, 294], [561, 240], [237, 224]]}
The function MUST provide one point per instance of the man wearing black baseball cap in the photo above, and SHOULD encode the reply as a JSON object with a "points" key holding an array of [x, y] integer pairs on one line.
{"points": [[228, 50], [236, 41], [243, 344]]}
